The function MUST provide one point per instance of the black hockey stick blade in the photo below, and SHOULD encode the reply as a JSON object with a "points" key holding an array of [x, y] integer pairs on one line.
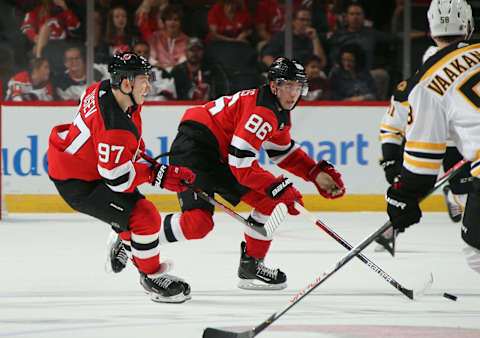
{"points": [[211, 332], [407, 292], [388, 243]]}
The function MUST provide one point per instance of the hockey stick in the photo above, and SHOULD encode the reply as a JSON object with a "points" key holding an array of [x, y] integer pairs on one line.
{"points": [[276, 217], [407, 292], [217, 333], [387, 239]]}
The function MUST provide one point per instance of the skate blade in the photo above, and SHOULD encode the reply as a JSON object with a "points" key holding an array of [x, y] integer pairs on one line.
{"points": [[254, 284], [177, 299]]}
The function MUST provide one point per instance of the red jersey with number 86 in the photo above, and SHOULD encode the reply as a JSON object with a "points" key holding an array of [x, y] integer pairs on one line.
{"points": [[244, 122]]}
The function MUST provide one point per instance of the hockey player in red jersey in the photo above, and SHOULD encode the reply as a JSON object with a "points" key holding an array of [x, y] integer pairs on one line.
{"points": [[95, 163], [220, 142]]}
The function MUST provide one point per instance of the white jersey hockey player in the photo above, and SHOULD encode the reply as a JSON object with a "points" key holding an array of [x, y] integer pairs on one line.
{"points": [[443, 101]]}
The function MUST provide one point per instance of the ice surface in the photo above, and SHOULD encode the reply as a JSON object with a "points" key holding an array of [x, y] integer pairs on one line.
{"points": [[53, 284]]}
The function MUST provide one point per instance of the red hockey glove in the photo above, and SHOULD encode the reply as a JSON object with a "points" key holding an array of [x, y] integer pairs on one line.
{"points": [[283, 191], [327, 180], [171, 177]]}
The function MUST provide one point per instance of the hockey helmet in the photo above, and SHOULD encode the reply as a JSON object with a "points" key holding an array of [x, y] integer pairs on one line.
{"points": [[128, 65], [449, 17], [283, 69], [470, 20]]}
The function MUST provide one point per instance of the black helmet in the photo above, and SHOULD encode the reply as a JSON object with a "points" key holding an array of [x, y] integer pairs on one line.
{"points": [[128, 65], [283, 69]]}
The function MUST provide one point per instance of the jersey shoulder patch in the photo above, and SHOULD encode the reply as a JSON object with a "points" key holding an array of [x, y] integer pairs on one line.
{"points": [[403, 89]]}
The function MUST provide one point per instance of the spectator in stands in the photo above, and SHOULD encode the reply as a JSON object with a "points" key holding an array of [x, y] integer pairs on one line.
{"points": [[327, 16], [167, 46], [318, 85], [72, 83], [10, 45], [419, 34], [194, 79], [103, 6], [229, 20], [269, 19], [51, 20], [351, 81], [163, 86], [98, 23], [146, 17], [196, 14], [305, 40], [368, 38], [118, 37], [32, 85]]}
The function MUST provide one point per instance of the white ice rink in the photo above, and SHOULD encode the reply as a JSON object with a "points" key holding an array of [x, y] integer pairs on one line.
{"points": [[53, 284]]}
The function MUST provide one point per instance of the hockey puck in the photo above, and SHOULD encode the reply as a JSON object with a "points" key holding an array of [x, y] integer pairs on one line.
{"points": [[449, 296]]}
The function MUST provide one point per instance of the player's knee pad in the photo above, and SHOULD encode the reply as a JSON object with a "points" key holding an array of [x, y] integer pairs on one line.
{"points": [[145, 218], [196, 223], [472, 256], [471, 220]]}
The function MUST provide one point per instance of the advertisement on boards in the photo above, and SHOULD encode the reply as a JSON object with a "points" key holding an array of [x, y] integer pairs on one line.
{"points": [[344, 135]]}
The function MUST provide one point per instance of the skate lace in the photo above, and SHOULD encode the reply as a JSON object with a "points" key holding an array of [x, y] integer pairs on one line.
{"points": [[269, 272], [121, 255], [162, 282]]}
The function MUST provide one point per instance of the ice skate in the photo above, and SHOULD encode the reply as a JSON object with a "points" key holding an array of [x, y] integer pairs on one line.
{"points": [[117, 256], [164, 288], [254, 275], [454, 209]]}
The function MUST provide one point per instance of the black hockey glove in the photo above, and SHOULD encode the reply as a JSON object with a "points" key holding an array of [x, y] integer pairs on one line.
{"points": [[402, 208], [392, 169]]}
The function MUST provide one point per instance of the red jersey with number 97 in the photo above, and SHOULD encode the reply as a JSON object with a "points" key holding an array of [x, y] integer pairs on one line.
{"points": [[102, 143], [244, 122]]}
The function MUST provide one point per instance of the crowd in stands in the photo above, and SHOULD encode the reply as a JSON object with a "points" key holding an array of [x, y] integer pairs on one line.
{"points": [[202, 49]]}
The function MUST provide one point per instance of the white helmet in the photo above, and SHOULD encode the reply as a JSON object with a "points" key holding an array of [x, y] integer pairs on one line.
{"points": [[449, 17], [470, 21]]}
